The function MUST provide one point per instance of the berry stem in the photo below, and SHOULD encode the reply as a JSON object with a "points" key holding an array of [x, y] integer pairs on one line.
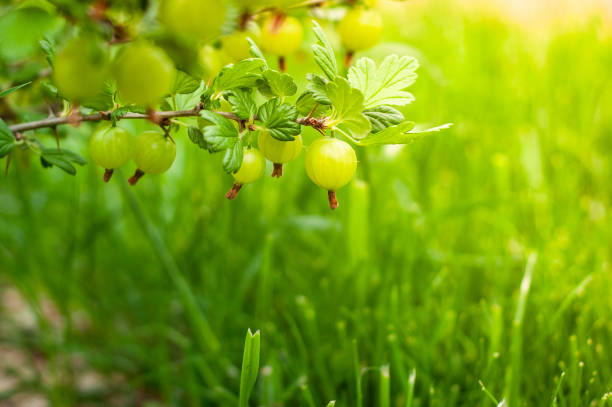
{"points": [[133, 180], [232, 193], [108, 173], [278, 170], [333, 202], [348, 58], [282, 64]]}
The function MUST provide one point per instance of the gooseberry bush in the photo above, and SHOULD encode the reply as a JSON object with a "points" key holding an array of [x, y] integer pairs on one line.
{"points": [[200, 64]]}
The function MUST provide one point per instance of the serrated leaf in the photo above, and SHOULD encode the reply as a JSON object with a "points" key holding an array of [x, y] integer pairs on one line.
{"points": [[48, 48], [275, 83], [243, 74], [232, 160], [62, 159], [306, 103], [397, 134], [118, 113], [101, 101], [316, 85], [207, 102], [347, 107], [7, 140], [279, 119], [221, 134], [384, 85], [242, 103], [196, 137], [256, 52], [13, 89], [185, 83], [382, 117], [324, 53]]}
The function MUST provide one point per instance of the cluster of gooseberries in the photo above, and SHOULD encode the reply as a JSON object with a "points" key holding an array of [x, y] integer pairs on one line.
{"points": [[112, 147], [138, 76], [144, 74], [330, 163]]}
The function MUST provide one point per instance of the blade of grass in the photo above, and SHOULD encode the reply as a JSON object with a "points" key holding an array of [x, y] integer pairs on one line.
{"points": [[357, 372], [410, 393], [202, 331], [514, 372], [385, 387], [250, 366]]}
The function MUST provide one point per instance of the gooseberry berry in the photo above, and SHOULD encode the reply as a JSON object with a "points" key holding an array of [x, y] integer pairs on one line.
{"points": [[252, 168], [281, 35], [193, 19], [360, 29], [110, 147], [81, 69], [154, 153], [144, 74], [331, 164], [277, 151]]}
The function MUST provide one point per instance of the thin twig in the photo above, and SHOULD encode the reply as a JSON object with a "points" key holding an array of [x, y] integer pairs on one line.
{"points": [[318, 124], [101, 116]]}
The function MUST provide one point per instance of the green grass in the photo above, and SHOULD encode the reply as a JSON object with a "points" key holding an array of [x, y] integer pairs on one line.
{"points": [[420, 290]]}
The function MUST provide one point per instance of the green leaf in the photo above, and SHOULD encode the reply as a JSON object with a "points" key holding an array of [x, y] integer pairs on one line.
{"points": [[316, 85], [207, 102], [324, 53], [13, 89], [382, 117], [256, 52], [7, 139], [48, 48], [331, 403], [275, 83], [221, 134], [118, 113], [250, 366], [391, 135], [102, 101], [347, 107], [306, 103], [243, 74], [232, 160], [242, 103], [196, 137], [185, 83], [62, 159], [384, 85], [279, 119]]}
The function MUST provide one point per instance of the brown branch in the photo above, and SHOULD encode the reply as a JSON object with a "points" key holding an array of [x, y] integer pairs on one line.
{"points": [[101, 116], [317, 123]]}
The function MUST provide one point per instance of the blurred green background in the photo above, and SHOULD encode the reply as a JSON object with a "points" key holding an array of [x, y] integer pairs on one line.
{"points": [[477, 255]]}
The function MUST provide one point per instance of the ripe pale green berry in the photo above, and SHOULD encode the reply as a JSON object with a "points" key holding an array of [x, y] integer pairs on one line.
{"points": [[331, 164], [252, 168], [360, 29], [80, 69], [281, 35], [111, 147], [154, 153], [236, 46], [144, 74], [193, 19], [277, 151]]}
